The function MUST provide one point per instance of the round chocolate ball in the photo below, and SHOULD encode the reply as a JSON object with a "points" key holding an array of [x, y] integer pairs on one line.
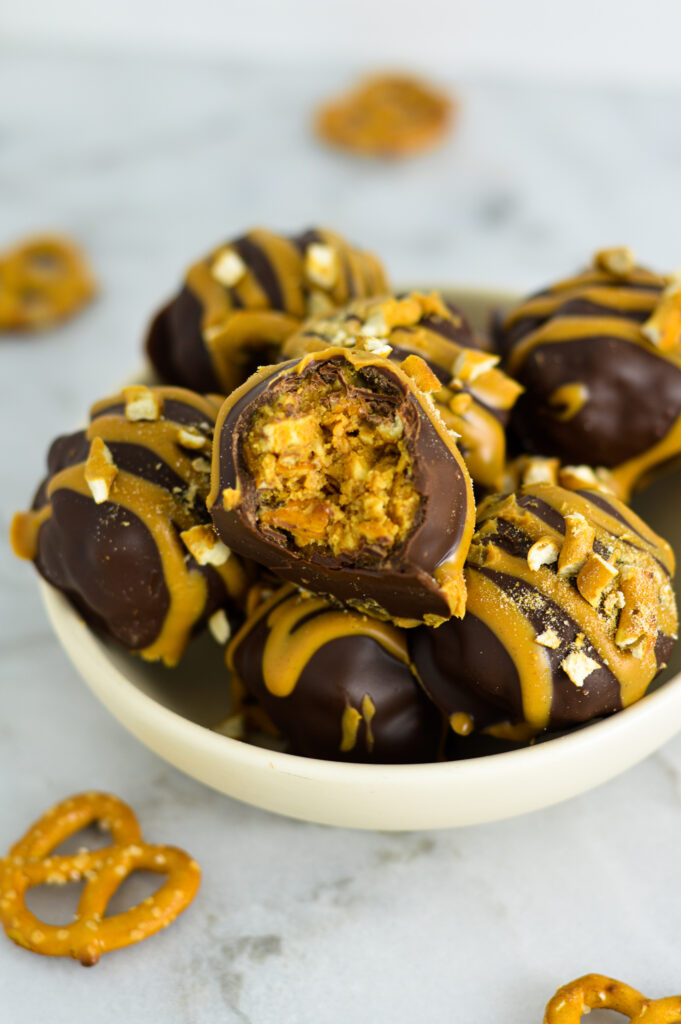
{"points": [[239, 303], [336, 683], [474, 398], [120, 523], [599, 356], [570, 615], [336, 472]]}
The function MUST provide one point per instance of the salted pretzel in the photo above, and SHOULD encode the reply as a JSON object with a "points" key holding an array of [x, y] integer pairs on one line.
{"points": [[42, 280], [30, 862], [386, 115], [594, 991]]}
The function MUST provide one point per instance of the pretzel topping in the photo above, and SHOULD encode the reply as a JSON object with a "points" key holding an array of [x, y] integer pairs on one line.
{"points": [[30, 863], [594, 991]]}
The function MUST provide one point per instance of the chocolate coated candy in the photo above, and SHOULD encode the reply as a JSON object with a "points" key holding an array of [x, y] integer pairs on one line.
{"points": [[335, 472]]}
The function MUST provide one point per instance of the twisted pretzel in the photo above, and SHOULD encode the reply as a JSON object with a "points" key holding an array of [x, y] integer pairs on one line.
{"points": [[594, 991], [29, 864]]}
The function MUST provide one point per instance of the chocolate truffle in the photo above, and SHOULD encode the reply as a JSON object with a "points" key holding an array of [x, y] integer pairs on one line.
{"points": [[239, 303], [599, 356], [570, 615], [474, 397], [120, 524], [335, 471], [336, 683]]}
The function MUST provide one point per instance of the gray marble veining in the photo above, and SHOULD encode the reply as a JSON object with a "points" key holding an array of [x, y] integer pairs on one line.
{"points": [[148, 164]]}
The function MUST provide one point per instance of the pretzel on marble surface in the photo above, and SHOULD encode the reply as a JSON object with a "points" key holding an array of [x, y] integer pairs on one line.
{"points": [[31, 862], [595, 991], [43, 279]]}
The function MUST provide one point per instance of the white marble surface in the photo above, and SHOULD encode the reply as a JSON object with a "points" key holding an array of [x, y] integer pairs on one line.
{"points": [[148, 164]]}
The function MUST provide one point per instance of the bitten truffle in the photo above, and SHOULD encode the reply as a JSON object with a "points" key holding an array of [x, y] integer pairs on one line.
{"points": [[336, 683], [120, 523], [570, 615], [474, 397], [599, 356], [336, 472], [239, 303]]}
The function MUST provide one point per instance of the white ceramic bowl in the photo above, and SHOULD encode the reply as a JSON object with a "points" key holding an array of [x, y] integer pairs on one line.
{"points": [[174, 712]]}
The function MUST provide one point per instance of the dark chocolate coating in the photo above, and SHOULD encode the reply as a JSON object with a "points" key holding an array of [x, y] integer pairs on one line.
{"points": [[466, 668], [591, 332], [634, 399], [112, 573], [405, 728], [402, 584], [175, 343], [104, 556], [175, 346]]}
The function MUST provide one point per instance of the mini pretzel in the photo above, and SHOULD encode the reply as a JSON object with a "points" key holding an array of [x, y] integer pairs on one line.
{"points": [[29, 863], [42, 280], [594, 991], [387, 115]]}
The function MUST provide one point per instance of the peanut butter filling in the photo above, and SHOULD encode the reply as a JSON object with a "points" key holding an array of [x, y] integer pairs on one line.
{"points": [[332, 468]]}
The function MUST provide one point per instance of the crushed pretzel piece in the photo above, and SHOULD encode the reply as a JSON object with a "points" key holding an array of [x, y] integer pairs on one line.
{"points": [[637, 625], [471, 364], [100, 470], [377, 347], [549, 638], [231, 498], [594, 577], [190, 437], [141, 403], [579, 538], [420, 373], [537, 470], [219, 626], [663, 327], [578, 666], [228, 268], [322, 265], [618, 261], [543, 552], [205, 546]]}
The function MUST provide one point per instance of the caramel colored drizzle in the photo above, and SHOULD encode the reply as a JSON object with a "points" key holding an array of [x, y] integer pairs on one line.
{"points": [[299, 625], [163, 512], [465, 404], [612, 284], [503, 618], [633, 551], [568, 399], [265, 310], [350, 723]]}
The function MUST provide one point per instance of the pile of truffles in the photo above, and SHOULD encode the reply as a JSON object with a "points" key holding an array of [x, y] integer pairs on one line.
{"points": [[303, 478]]}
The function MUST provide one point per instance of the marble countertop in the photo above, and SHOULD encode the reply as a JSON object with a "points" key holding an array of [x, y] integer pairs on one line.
{"points": [[148, 164]]}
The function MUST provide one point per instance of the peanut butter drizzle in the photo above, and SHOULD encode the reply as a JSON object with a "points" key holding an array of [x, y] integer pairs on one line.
{"points": [[398, 324], [242, 312], [515, 633], [291, 642], [350, 723], [161, 511], [614, 284], [24, 530], [568, 399], [639, 470], [631, 543]]}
